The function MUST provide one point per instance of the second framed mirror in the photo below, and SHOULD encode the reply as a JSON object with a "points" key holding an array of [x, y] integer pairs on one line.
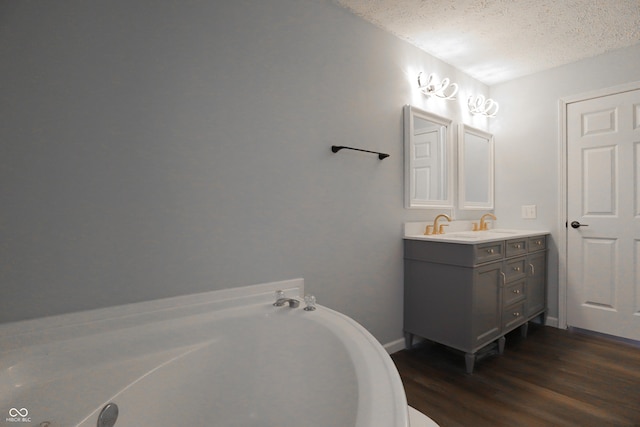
{"points": [[475, 169]]}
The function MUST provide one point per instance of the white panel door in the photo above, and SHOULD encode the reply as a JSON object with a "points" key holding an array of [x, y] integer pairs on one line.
{"points": [[603, 243]]}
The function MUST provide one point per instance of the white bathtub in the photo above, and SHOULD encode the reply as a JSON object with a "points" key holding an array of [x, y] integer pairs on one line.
{"points": [[225, 358]]}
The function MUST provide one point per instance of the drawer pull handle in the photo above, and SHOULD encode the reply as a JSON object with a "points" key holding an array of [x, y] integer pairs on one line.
{"points": [[516, 268], [517, 246], [539, 242], [533, 269], [504, 278], [516, 291], [516, 314], [490, 251]]}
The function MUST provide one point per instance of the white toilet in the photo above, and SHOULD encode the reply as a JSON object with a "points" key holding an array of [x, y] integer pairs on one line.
{"points": [[418, 419]]}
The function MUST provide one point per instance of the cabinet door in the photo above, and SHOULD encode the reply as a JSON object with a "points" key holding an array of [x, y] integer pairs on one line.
{"points": [[487, 298], [536, 283]]}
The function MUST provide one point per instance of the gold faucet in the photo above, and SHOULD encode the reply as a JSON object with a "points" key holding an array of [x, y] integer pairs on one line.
{"points": [[483, 224], [433, 229]]}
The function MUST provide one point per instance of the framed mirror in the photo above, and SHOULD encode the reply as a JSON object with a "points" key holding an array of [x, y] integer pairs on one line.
{"points": [[475, 169], [428, 160]]}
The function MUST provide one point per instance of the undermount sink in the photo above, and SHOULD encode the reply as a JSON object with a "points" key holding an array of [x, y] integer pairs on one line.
{"points": [[463, 235], [501, 231]]}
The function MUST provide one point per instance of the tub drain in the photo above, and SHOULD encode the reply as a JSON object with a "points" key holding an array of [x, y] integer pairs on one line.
{"points": [[108, 415]]}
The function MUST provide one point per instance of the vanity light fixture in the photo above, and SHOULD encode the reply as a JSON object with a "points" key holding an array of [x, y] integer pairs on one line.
{"points": [[479, 105], [428, 86]]}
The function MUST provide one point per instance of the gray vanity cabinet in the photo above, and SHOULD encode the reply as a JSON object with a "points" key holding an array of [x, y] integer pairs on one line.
{"points": [[467, 296]]}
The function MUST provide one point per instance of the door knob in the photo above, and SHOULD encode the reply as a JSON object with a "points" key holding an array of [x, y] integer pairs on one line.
{"points": [[576, 224]]}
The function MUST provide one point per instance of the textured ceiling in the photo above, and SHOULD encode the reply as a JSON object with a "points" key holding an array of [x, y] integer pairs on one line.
{"points": [[499, 40]]}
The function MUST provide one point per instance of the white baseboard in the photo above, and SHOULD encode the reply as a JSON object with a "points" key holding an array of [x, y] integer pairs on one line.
{"points": [[552, 321], [394, 346]]}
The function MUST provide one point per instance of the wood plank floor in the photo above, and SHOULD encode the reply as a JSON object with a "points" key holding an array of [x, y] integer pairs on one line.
{"points": [[552, 378]]}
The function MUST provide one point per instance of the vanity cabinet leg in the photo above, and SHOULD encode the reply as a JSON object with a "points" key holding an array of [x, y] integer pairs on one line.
{"points": [[524, 329], [501, 341], [469, 360]]}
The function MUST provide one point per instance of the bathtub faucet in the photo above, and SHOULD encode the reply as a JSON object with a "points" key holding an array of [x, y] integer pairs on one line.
{"points": [[293, 303], [281, 300]]}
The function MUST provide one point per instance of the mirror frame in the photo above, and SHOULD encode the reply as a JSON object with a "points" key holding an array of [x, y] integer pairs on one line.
{"points": [[410, 113], [463, 204]]}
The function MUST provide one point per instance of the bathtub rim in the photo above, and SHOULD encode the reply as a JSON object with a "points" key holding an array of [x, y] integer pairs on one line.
{"points": [[44, 330]]}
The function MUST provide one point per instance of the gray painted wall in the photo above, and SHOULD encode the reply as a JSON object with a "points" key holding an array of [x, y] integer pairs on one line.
{"points": [[154, 148]]}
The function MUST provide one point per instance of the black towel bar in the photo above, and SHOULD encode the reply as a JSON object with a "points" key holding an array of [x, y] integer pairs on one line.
{"points": [[336, 148]]}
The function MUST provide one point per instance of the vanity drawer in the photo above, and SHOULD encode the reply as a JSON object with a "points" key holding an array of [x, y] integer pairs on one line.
{"points": [[515, 269], [514, 293], [489, 252], [513, 316], [537, 243], [516, 247]]}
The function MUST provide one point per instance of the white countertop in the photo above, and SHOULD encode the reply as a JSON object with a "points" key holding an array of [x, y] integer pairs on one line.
{"points": [[415, 231]]}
